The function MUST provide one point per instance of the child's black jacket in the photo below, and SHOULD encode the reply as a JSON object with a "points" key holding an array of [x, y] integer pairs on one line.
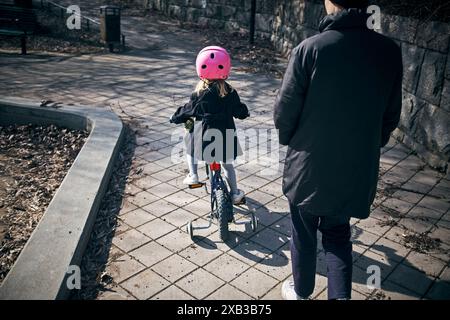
{"points": [[215, 112]]}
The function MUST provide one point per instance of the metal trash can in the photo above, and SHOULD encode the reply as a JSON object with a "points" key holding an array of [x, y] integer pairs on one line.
{"points": [[110, 24]]}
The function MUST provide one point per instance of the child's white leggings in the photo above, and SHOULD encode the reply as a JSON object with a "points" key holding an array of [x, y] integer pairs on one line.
{"points": [[228, 170]]}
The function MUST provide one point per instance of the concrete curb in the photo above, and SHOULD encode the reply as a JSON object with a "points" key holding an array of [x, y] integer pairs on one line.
{"points": [[61, 236]]}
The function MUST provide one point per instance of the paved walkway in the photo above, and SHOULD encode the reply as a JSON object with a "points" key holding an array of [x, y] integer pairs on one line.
{"points": [[152, 257]]}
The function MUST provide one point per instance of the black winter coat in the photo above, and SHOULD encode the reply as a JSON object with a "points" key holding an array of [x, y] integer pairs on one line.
{"points": [[218, 113], [339, 101]]}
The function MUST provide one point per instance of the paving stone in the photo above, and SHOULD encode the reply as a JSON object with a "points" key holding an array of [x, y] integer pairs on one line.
{"points": [[423, 262], [130, 240], [176, 240], [179, 218], [143, 198], [162, 190], [358, 296], [442, 234], [254, 283], [249, 252], [370, 259], [417, 187], [273, 189], [181, 198], [174, 267], [411, 197], [270, 239], [275, 265], [199, 207], [417, 225], [391, 250], [200, 283], [445, 275], [429, 178], [114, 253], [267, 217], [228, 292], [115, 293], [411, 279], [399, 205], [435, 204], [392, 291], [373, 226], [121, 227], [235, 238], [153, 156], [127, 206], [283, 225], [362, 237], [226, 267], [259, 198], [156, 228], [165, 175], [200, 255], [425, 214], [137, 217], [439, 291], [146, 183], [150, 253], [145, 284], [160, 208], [123, 268], [278, 206], [172, 293], [274, 293]]}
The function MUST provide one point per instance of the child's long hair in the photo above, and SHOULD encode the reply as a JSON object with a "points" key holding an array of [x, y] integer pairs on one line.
{"points": [[222, 86]]}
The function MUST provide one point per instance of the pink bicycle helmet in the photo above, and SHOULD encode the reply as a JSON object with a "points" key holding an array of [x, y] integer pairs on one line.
{"points": [[213, 63]]}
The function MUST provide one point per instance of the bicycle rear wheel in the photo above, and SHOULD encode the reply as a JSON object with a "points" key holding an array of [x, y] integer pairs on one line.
{"points": [[224, 212]]}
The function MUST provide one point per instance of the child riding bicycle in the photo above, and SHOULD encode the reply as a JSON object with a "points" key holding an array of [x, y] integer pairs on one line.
{"points": [[215, 103]]}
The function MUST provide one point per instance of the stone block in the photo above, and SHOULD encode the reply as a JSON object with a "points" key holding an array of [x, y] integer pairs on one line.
{"points": [[412, 62], [431, 79]]}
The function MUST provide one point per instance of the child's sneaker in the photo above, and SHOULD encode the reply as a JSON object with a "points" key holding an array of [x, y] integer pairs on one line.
{"points": [[237, 198], [191, 179]]}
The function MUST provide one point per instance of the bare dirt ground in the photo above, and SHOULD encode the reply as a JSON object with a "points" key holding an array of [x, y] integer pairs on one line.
{"points": [[33, 162]]}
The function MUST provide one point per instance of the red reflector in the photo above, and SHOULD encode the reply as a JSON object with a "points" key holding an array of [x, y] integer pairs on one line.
{"points": [[215, 166]]}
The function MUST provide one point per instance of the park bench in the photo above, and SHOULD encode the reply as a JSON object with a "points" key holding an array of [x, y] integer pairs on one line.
{"points": [[17, 22]]}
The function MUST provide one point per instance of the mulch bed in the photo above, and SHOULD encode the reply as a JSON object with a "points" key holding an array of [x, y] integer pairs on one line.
{"points": [[33, 162]]}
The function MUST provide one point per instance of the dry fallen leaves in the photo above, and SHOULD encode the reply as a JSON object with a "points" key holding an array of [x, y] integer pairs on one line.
{"points": [[33, 162]]}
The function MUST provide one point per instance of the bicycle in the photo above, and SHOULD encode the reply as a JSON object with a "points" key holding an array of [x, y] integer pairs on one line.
{"points": [[221, 204]]}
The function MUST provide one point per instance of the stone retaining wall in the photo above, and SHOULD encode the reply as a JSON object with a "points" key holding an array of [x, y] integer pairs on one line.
{"points": [[425, 120]]}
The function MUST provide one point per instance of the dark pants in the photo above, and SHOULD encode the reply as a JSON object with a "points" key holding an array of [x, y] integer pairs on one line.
{"points": [[338, 253]]}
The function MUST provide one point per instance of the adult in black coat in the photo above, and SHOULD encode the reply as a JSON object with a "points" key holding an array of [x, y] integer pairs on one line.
{"points": [[338, 104]]}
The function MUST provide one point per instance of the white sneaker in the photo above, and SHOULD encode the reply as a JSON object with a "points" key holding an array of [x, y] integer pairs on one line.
{"points": [[237, 198], [191, 179], [288, 291]]}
